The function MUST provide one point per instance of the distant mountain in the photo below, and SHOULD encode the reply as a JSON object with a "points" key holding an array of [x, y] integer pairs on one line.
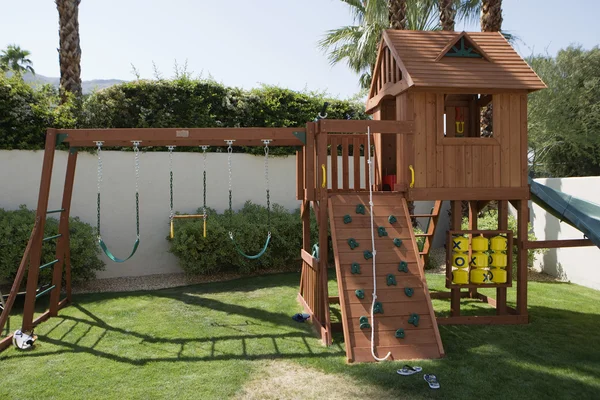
{"points": [[86, 86]]}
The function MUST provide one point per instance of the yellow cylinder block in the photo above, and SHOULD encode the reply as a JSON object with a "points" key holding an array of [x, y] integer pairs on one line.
{"points": [[460, 244], [479, 260], [499, 243], [479, 275], [498, 260], [498, 275], [479, 243], [460, 276], [460, 260]]}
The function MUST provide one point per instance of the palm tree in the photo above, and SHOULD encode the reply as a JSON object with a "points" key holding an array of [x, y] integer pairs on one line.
{"points": [[69, 52], [397, 14], [491, 15], [15, 59], [447, 14]]}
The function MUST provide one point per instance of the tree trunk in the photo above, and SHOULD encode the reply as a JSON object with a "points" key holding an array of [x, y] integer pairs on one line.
{"points": [[397, 14], [491, 21], [447, 14], [491, 15], [69, 52]]}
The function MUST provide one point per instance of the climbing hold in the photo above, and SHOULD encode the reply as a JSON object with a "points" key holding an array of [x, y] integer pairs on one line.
{"points": [[347, 219], [392, 219], [381, 231], [377, 308], [360, 209], [355, 268], [398, 242], [367, 254], [400, 333], [409, 291], [364, 322], [414, 319], [352, 243], [403, 266], [391, 280], [360, 293]]}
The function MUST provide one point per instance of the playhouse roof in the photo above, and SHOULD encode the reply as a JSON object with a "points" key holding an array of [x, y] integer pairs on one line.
{"points": [[441, 59]]}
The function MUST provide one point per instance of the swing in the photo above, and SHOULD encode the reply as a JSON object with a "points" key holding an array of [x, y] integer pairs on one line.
{"points": [[172, 215], [103, 246], [237, 247]]}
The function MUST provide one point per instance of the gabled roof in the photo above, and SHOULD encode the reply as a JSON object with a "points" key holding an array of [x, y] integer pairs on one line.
{"points": [[422, 57]]}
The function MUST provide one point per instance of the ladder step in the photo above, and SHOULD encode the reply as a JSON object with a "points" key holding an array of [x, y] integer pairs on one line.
{"points": [[51, 263], [52, 237], [422, 215], [55, 211], [40, 294], [423, 234]]}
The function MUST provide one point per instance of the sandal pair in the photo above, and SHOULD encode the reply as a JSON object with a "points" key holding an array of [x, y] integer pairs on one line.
{"points": [[429, 378]]}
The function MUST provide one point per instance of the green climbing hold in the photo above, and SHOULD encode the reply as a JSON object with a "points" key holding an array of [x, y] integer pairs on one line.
{"points": [[403, 266], [409, 291], [352, 243], [364, 322], [377, 308], [414, 319], [360, 209], [355, 268], [360, 293], [392, 219], [391, 280], [367, 254], [400, 333], [398, 242], [347, 219], [381, 231]]}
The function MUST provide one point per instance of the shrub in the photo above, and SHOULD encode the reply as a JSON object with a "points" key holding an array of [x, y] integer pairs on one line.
{"points": [[15, 229], [216, 253], [489, 221]]}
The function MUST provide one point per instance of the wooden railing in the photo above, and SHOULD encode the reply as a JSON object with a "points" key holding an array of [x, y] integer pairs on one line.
{"points": [[348, 154]]}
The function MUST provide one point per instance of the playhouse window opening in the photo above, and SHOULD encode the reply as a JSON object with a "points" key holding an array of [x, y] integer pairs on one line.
{"points": [[468, 115]]}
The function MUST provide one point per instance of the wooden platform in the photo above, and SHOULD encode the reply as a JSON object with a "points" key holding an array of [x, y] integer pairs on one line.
{"points": [[420, 342]]}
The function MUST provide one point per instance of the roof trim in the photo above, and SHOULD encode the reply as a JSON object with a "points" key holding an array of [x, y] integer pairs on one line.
{"points": [[455, 40]]}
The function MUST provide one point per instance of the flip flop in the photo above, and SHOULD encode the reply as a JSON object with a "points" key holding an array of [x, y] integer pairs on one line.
{"points": [[408, 370], [432, 381]]}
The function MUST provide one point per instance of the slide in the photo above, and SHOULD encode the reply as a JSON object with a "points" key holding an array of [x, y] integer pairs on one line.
{"points": [[405, 323], [581, 214]]}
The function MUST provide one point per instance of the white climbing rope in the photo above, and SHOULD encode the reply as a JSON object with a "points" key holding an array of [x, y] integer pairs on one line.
{"points": [[369, 161]]}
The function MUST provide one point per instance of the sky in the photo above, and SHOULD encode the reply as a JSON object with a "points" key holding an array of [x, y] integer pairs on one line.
{"points": [[248, 43]]}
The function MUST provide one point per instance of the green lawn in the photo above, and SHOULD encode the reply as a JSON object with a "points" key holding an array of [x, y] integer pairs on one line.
{"points": [[236, 339]]}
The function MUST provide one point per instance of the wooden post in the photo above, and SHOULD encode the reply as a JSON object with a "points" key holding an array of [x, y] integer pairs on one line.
{"points": [[522, 230], [322, 305], [455, 224], [63, 243], [502, 225], [473, 219], [36, 247]]}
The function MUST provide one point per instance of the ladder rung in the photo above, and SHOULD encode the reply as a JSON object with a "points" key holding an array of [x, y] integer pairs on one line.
{"points": [[45, 291], [422, 215], [48, 264], [423, 234], [55, 211], [52, 237]]}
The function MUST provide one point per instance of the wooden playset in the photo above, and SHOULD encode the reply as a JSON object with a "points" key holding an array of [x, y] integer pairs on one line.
{"points": [[428, 93]]}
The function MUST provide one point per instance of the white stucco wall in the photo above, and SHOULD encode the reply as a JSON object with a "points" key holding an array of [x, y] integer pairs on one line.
{"points": [[579, 265], [19, 183]]}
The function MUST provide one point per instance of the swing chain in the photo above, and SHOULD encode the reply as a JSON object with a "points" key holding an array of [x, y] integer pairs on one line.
{"points": [[204, 181], [266, 142], [99, 152], [229, 151], [171, 213], [136, 151]]}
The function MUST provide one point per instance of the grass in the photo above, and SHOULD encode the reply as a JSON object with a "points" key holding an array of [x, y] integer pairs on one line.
{"points": [[236, 340]]}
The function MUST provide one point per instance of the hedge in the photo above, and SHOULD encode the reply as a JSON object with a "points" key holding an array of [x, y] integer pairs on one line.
{"points": [[15, 229]]}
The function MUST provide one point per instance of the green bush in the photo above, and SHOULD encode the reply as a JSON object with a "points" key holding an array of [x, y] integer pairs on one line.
{"points": [[15, 229], [216, 253], [489, 221], [26, 112]]}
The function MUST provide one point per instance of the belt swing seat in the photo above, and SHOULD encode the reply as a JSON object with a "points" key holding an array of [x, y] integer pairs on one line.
{"points": [[172, 215], [231, 236], [103, 245]]}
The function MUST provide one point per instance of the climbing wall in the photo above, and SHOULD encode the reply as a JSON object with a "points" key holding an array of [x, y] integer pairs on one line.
{"points": [[405, 323]]}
